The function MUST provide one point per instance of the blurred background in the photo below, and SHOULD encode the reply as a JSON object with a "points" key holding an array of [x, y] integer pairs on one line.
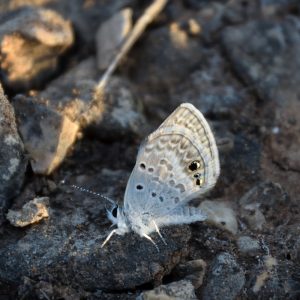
{"points": [[237, 61]]}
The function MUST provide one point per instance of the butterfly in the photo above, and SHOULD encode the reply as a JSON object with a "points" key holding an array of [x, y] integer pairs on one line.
{"points": [[175, 164]]}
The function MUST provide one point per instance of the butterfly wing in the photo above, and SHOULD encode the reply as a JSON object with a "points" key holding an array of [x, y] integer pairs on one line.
{"points": [[174, 165], [189, 117]]}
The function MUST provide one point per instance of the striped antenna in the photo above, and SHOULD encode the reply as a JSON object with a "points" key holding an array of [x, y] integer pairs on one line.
{"points": [[84, 190]]}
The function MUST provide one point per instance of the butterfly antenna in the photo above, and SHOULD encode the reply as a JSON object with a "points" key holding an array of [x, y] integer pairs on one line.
{"points": [[82, 189]]}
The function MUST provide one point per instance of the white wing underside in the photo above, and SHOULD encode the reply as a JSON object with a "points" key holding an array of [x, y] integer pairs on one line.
{"points": [[161, 183]]}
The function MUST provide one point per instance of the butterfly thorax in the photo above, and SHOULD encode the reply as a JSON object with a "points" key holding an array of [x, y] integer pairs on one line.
{"points": [[126, 222], [140, 223]]}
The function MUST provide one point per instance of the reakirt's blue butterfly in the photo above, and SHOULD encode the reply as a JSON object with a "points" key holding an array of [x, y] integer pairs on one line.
{"points": [[177, 163]]}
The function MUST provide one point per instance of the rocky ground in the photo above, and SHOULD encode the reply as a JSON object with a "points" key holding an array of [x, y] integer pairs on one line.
{"points": [[237, 61]]}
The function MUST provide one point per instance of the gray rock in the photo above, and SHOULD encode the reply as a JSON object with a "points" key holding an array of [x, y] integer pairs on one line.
{"points": [[110, 36], [266, 204], [72, 252], [12, 156], [225, 278], [67, 247], [34, 289], [87, 17], [287, 239], [31, 41], [47, 134], [248, 245], [182, 289]]}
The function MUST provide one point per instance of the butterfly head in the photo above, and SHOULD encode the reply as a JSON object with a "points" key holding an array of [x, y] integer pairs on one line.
{"points": [[117, 216]]}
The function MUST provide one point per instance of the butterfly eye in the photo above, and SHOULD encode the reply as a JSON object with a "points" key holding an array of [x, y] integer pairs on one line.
{"points": [[114, 211], [142, 166], [197, 175], [139, 187], [194, 165]]}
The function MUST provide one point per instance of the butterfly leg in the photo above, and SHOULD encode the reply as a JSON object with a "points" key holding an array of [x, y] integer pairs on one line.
{"points": [[150, 239], [158, 232], [108, 237]]}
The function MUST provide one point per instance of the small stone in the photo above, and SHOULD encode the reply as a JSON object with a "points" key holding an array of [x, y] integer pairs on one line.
{"points": [[12, 156], [253, 216], [47, 135], [225, 279], [31, 41], [193, 270], [32, 212], [248, 245], [110, 36], [220, 214], [182, 289], [265, 203], [270, 263]]}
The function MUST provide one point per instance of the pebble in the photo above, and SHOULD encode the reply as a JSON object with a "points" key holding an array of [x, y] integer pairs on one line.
{"points": [[220, 214], [32, 212], [182, 289], [225, 279]]}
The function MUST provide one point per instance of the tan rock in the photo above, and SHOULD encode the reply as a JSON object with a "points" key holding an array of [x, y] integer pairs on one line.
{"points": [[47, 135], [32, 212], [31, 41]]}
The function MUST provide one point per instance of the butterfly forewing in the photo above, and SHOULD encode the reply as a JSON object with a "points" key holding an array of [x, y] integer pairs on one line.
{"points": [[187, 116]]}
